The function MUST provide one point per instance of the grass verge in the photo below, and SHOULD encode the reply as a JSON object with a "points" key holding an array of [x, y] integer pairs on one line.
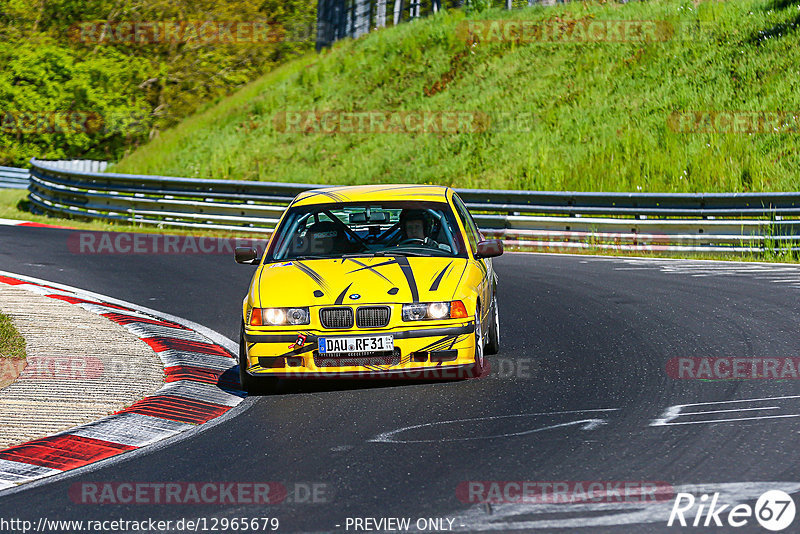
{"points": [[12, 351]]}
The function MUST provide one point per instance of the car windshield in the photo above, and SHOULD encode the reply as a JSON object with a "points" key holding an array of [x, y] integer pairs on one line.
{"points": [[367, 229]]}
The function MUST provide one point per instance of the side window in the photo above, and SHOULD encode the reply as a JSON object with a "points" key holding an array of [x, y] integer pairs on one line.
{"points": [[469, 225]]}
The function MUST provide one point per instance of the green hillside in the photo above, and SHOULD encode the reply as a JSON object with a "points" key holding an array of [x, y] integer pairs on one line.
{"points": [[569, 114]]}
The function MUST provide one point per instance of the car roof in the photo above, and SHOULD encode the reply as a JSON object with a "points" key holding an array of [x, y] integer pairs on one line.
{"points": [[372, 193]]}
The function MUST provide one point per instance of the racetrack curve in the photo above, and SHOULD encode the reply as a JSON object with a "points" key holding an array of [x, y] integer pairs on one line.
{"points": [[589, 335]]}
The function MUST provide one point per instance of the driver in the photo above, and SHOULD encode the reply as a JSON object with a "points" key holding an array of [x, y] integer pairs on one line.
{"points": [[416, 224]]}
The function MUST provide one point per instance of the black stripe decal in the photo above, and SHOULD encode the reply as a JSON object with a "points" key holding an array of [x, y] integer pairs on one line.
{"points": [[336, 197], [341, 296], [294, 352], [435, 284], [312, 274], [368, 267], [460, 278], [371, 267], [430, 332], [455, 339], [305, 348], [402, 261], [441, 343]]}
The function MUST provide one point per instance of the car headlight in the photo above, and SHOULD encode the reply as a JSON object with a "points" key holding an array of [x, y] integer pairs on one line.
{"points": [[279, 316], [434, 310]]}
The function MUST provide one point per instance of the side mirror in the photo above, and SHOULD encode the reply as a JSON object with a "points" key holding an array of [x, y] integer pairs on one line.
{"points": [[245, 255], [489, 249]]}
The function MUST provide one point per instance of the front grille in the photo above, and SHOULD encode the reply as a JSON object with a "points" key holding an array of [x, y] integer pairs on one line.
{"points": [[341, 317], [363, 359], [372, 316]]}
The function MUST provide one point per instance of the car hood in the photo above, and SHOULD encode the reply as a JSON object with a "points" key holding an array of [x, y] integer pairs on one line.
{"points": [[372, 280]]}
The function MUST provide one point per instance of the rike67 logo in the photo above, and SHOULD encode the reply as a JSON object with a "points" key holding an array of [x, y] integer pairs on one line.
{"points": [[774, 510]]}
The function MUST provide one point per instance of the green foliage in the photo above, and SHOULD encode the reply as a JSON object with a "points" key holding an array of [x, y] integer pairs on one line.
{"points": [[476, 6], [132, 90], [568, 116]]}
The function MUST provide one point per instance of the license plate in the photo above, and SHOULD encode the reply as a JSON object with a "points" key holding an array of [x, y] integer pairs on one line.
{"points": [[342, 345]]}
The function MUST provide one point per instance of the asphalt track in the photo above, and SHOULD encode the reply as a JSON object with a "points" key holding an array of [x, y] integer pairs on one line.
{"points": [[579, 334]]}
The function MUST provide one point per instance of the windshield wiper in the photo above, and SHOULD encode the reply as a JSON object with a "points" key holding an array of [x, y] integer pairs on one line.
{"points": [[365, 254]]}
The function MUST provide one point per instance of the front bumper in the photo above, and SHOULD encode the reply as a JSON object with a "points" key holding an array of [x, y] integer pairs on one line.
{"points": [[422, 352]]}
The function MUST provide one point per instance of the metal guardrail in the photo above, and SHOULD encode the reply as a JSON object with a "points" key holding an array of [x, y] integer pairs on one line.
{"points": [[729, 222], [85, 165], [13, 178]]}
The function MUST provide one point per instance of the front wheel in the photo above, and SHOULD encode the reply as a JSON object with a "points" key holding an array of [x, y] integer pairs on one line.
{"points": [[479, 366], [251, 384], [493, 341]]}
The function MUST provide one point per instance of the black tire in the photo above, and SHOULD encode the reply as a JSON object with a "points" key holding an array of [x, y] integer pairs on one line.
{"points": [[251, 384], [479, 366], [493, 336]]}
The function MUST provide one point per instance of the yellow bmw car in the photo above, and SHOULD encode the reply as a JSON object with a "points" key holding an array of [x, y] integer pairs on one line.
{"points": [[370, 282]]}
